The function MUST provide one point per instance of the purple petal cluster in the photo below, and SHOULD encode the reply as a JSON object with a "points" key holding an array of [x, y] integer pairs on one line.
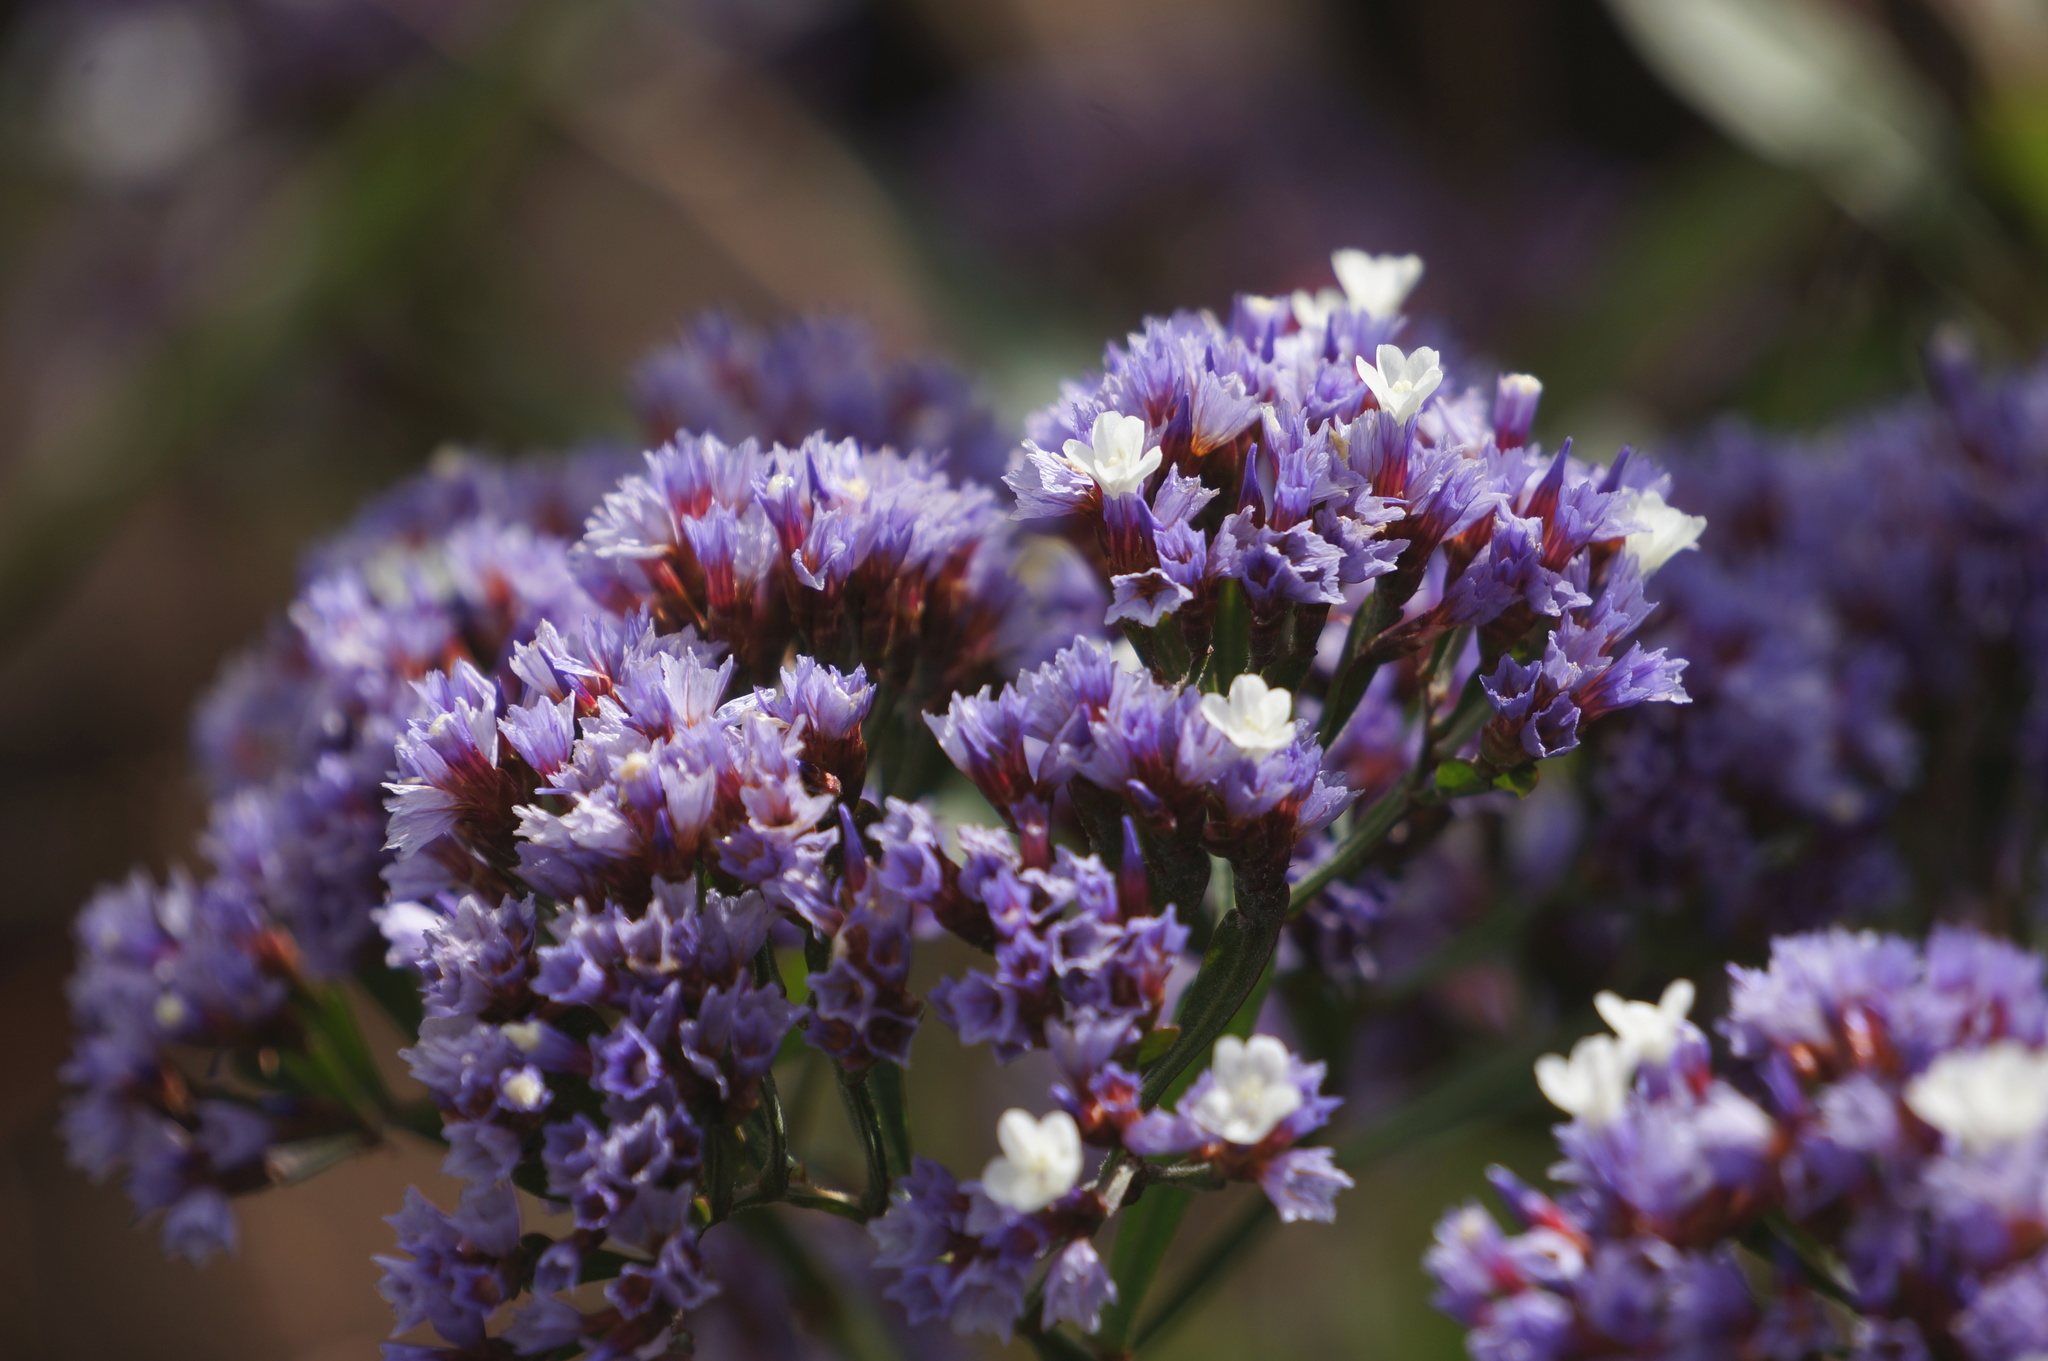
{"points": [[1074, 945], [590, 1058], [1084, 738], [1295, 454], [1876, 1147], [182, 987], [852, 555], [824, 374], [1243, 1117]]}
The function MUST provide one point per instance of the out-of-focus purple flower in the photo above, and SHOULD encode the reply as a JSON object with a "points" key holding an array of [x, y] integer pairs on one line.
{"points": [[1880, 1136]]}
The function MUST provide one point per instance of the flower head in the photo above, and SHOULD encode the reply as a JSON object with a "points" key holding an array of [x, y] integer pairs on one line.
{"points": [[1115, 454], [1040, 1161], [1401, 383], [1256, 718], [1983, 1098], [1254, 1089], [1376, 285]]}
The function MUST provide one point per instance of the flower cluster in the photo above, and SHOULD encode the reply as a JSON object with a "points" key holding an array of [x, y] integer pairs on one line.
{"points": [[1868, 656], [297, 742], [966, 1252], [829, 374], [1865, 1176], [1235, 775], [852, 555], [1295, 454]]}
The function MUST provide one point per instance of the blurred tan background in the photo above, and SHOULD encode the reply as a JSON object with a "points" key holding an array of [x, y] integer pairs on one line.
{"points": [[260, 257]]}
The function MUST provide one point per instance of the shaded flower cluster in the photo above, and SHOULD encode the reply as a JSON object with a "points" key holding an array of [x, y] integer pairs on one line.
{"points": [[1868, 650], [1864, 1176], [724, 378], [183, 989]]}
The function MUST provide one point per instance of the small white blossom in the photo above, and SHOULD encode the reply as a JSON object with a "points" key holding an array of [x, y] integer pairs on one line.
{"points": [[523, 1089], [1257, 719], [1668, 531], [1984, 1097], [1041, 1161], [1252, 1090], [1377, 284], [1115, 454], [1311, 310], [170, 1011], [1648, 1032], [1591, 1085], [1401, 383], [526, 1035]]}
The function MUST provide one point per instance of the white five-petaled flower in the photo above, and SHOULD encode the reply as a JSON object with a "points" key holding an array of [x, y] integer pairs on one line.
{"points": [[1041, 1161], [1401, 383], [1667, 531], [1591, 1085], [1114, 454], [1648, 1031], [1985, 1097], [1377, 284], [1257, 719], [1252, 1089]]}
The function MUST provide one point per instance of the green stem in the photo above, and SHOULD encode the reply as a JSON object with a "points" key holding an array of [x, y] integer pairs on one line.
{"points": [[885, 1081], [1230, 970], [1372, 828], [1142, 1238], [1354, 670], [867, 1122], [775, 1170]]}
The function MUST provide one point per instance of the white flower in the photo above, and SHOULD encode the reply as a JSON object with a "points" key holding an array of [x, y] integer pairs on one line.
{"points": [[1984, 1097], [1591, 1085], [1669, 531], [1252, 1089], [1401, 383], [523, 1089], [1648, 1032], [1311, 310], [1041, 1161], [1115, 454], [1255, 718], [1377, 284]]}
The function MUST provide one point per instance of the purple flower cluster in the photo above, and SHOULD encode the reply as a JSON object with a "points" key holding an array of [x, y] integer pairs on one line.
{"points": [[182, 989], [1294, 454], [593, 1063], [1868, 649], [826, 374], [1194, 773], [851, 555], [1865, 1177], [966, 1251]]}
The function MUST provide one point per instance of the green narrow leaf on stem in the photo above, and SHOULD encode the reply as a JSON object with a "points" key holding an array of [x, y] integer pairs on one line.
{"points": [[1231, 652], [1144, 1233], [885, 1080]]}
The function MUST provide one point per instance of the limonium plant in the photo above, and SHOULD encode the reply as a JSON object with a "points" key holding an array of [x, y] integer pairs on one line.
{"points": [[617, 783]]}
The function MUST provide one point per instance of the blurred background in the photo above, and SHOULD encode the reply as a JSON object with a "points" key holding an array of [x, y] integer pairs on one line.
{"points": [[261, 257]]}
